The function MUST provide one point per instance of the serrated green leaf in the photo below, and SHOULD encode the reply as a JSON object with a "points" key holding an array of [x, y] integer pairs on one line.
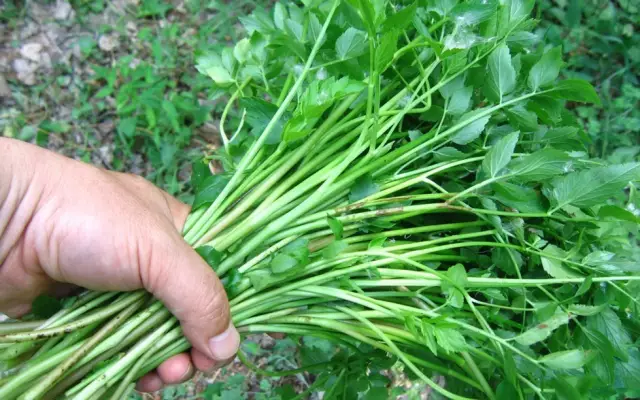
{"points": [[460, 101], [450, 340], [471, 131], [553, 264], [617, 213], [502, 75], [334, 249], [609, 325], [283, 263], [473, 12], [546, 70], [539, 166], [400, 19], [386, 49], [610, 263], [258, 116], [574, 90], [336, 227], [241, 50], [521, 198], [508, 260], [569, 359], [592, 186], [542, 330], [363, 187], [351, 43], [585, 310], [498, 156], [521, 118], [210, 255], [212, 65], [209, 190], [279, 15]]}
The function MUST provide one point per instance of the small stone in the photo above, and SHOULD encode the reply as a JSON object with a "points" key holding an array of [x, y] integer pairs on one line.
{"points": [[267, 342], [132, 29], [25, 71], [31, 51], [5, 91], [106, 127], [108, 42], [63, 11]]}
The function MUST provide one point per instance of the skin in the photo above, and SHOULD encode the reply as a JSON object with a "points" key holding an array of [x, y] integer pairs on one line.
{"points": [[65, 224]]}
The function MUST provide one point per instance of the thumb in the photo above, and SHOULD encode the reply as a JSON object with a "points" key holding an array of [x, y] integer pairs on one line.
{"points": [[190, 289]]}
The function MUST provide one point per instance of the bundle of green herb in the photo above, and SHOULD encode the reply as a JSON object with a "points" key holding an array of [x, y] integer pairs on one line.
{"points": [[404, 180]]}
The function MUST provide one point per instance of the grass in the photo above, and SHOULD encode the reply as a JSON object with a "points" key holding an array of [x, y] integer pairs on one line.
{"points": [[601, 41]]}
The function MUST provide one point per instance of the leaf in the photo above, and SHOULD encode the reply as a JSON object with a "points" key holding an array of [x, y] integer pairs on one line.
{"points": [[473, 12], [241, 50], [627, 374], [450, 339], [607, 262], [442, 7], [521, 198], [448, 154], [209, 190], [171, 113], [279, 15], [565, 390], [603, 364], [502, 75], [471, 131], [127, 127], [401, 19], [259, 114], [521, 118], [457, 279], [362, 188], [592, 186], [351, 43], [211, 65], [336, 227], [45, 306], [542, 330], [210, 255], [539, 166], [499, 155], [617, 213], [585, 286], [315, 28], [334, 249], [585, 310], [507, 260], [553, 263], [283, 263], [546, 70], [569, 359], [609, 325], [519, 9], [460, 101], [386, 49], [574, 90], [295, 29]]}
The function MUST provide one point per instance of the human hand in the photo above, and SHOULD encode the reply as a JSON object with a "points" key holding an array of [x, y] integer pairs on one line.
{"points": [[64, 222]]}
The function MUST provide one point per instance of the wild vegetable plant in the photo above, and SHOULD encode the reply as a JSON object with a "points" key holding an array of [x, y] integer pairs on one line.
{"points": [[406, 182]]}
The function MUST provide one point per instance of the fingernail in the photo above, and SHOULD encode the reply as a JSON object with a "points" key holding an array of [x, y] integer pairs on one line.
{"points": [[225, 345], [188, 374]]}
